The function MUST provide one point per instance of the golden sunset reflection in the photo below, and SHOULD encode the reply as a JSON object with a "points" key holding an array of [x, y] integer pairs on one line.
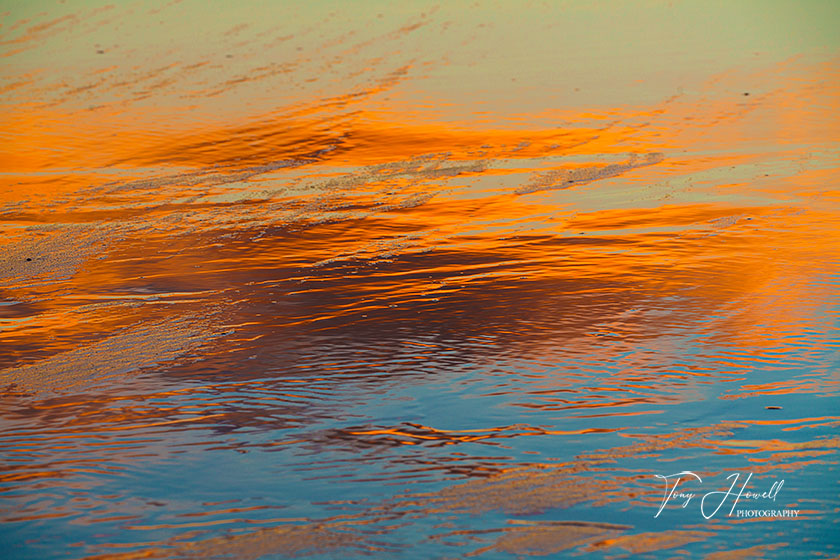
{"points": [[316, 280]]}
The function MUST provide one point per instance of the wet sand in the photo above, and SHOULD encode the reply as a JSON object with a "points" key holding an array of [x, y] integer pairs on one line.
{"points": [[418, 282]]}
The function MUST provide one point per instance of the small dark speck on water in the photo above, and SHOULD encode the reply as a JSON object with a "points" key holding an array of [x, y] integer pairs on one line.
{"points": [[773, 407]]}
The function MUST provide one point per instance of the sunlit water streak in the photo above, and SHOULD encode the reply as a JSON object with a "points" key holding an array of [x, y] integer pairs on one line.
{"points": [[364, 316]]}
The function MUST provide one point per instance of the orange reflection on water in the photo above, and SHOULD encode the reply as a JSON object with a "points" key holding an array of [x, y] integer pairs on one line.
{"points": [[462, 320]]}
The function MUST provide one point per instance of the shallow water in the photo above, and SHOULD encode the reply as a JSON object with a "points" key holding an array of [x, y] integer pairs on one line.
{"points": [[418, 282]]}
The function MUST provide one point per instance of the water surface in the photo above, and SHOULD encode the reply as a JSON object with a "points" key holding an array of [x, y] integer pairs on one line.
{"points": [[318, 280]]}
